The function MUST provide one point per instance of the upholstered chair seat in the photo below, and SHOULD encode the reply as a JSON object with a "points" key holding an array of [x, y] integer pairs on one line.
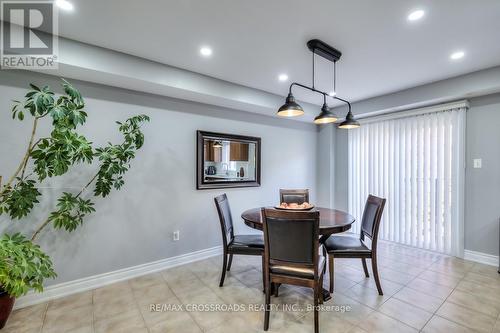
{"points": [[345, 245], [248, 244]]}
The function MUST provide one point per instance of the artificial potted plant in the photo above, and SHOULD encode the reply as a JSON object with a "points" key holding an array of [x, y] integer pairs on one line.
{"points": [[23, 264]]}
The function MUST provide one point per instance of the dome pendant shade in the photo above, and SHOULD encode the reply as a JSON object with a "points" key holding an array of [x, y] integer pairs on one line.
{"points": [[326, 116], [349, 122], [290, 108]]}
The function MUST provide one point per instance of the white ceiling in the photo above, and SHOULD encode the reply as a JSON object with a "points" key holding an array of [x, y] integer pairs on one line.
{"points": [[254, 41]]}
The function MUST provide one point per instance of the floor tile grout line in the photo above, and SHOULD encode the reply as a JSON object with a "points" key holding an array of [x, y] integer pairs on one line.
{"points": [[436, 312], [303, 315], [137, 304], [496, 322], [467, 307], [252, 267], [392, 296], [446, 299], [93, 314], [177, 297], [44, 316]]}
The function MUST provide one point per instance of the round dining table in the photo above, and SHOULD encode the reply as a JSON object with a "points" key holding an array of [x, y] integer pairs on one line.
{"points": [[331, 221]]}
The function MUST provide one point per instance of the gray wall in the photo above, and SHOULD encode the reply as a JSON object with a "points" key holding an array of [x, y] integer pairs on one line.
{"points": [[332, 166], [482, 186], [325, 168], [134, 226], [341, 166]]}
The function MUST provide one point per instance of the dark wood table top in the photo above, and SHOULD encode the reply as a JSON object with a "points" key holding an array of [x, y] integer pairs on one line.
{"points": [[331, 221]]}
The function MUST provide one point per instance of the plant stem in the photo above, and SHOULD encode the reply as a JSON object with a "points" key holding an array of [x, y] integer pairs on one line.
{"points": [[40, 228], [88, 184], [47, 221], [22, 166], [26, 160]]}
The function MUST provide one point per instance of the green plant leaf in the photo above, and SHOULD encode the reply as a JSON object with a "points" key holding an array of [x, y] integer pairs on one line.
{"points": [[23, 265], [20, 200], [34, 87], [115, 159], [73, 93], [57, 112], [71, 211]]}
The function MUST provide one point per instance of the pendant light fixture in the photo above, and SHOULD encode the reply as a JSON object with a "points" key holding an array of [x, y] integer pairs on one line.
{"points": [[292, 109], [349, 121], [217, 144], [326, 116]]}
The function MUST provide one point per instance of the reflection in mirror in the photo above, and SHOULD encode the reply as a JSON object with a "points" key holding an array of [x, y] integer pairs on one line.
{"points": [[227, 160]]}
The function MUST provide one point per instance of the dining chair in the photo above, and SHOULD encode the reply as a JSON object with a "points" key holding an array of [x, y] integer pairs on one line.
{"points": [[294, 196], [235, 244], [291, 254], [354, 247]]}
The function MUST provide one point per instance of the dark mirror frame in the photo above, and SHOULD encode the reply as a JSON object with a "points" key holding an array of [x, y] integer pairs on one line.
{"points": [[200, 159]]}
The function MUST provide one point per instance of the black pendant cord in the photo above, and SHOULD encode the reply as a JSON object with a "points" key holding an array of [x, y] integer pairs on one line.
{"points": [[313, 78], [335, 77]]}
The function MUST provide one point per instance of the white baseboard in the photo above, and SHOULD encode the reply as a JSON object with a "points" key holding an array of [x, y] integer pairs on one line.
{"points": [[97, 281], [483, 258]]}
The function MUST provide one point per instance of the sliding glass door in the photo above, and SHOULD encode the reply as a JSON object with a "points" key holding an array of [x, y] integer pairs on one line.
{"points": [[417, 163]]}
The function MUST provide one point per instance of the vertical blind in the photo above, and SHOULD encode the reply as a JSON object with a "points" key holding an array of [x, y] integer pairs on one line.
{"points": [[415, 162]]}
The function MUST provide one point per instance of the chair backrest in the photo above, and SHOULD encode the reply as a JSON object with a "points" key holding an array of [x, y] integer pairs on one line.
{"points": [[294, 196], [372, 215], [291, 237], [225, 218]]}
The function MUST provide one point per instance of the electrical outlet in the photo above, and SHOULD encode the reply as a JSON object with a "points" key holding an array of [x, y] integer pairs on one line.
{"points": [[478, 163], [176, 235]]}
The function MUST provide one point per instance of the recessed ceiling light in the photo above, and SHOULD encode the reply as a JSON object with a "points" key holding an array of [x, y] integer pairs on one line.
{"points": [[64, 4], [416, 15], [457, 55], [332, 93], [206, 51], [283, 77]]}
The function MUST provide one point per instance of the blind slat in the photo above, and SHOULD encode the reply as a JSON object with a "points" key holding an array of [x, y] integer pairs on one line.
{"points": [[412, 162]]}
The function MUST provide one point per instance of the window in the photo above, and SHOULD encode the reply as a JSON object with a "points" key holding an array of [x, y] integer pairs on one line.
{"points": [[416, 162]]}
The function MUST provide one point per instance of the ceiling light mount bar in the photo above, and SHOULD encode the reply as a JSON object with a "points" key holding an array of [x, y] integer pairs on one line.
{"points": [[291, 108], [321, 48]]}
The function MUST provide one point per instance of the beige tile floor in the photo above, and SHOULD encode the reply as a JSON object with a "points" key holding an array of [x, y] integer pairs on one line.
{"points": [[424, 292]]}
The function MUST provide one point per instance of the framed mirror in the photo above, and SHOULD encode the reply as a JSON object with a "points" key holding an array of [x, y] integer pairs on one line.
{"points": [[227, 160]]}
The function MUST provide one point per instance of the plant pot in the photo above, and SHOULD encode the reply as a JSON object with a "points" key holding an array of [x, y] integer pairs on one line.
{"points": [[6, 304]]}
